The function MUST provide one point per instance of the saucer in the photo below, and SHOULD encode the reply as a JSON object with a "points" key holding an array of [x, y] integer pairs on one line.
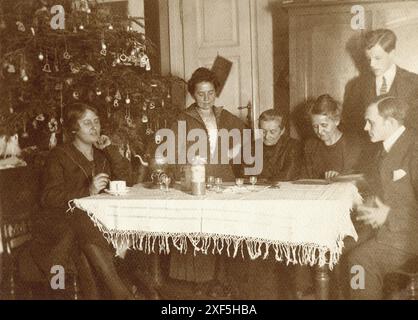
{"points": [[117, 193]]}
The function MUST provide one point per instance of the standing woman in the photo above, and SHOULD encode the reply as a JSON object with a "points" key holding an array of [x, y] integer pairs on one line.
{"points": [[204, 115], [80, 168]]}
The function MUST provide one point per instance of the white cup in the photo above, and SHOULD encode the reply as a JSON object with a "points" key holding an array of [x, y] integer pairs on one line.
{"points": [[117, 186]]}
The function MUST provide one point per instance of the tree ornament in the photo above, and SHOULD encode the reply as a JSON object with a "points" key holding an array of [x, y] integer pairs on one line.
{"points": [[41, 56], [47, 67], [98, 92], [116, 103], [144, 119], [158, 139], [23, 75], [25, 134], [56, 62], [53, 141], [118, 95], [20, 26], [81, 27], [110, 27], [76, 95], [123, 57], [11, 68], [127, 100]]}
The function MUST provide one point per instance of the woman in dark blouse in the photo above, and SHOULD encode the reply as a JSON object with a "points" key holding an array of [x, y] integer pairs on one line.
{"points": [[331, 152], [77, 169], [204, 115]]}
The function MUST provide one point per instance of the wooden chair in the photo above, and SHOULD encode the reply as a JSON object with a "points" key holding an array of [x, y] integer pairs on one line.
{"points": [[18, 202], [406, 278]]}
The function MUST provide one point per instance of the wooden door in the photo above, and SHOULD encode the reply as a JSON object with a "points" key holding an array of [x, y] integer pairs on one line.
{"points": [[212, 27]]}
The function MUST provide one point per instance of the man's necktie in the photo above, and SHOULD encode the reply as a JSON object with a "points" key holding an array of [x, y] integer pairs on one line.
{"points": [[384, 87]]}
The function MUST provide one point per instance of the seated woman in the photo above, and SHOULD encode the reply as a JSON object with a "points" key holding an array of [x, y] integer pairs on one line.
{"points": [[331, 152], [204, 115], [81, 167], [282, 155]]}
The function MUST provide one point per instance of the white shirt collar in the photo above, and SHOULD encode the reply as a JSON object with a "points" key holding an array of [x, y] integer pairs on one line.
{"points": [[389, 142], [389, 75]]}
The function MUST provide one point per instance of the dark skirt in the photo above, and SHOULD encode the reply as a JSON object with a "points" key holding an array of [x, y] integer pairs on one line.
{"points": [[60, 241]]}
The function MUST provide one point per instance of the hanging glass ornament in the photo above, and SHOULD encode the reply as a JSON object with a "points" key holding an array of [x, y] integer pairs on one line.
{"points": [[116, 103], [41, 56], [25, 133], [118, 95], [110, 27], [108, 98], [47, 67], [127, 100], [76, 95], [11, 68], [144, 119], [158, 139], [103, 52], [20, 26], [81, 27], [23, 75], [98, 92]]}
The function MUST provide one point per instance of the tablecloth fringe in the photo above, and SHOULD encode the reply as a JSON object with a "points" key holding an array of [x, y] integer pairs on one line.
{"points": [[289, 253]]}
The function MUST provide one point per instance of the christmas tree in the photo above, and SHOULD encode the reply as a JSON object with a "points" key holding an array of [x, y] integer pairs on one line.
{"points": [[56, 53]]}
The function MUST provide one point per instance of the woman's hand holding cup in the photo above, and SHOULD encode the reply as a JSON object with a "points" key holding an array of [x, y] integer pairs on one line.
{"points": [[98, 183]]}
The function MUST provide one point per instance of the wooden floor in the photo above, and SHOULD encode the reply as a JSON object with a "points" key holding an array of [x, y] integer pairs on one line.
{"points": [[249, 280]]}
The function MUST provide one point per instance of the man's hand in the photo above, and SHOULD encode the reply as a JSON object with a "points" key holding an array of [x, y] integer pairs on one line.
{"points": [[376, 217], [331, 174], [103, 142], [98, 183]]}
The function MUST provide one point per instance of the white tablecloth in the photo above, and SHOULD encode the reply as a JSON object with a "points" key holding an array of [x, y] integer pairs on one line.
{"points": [[303, 224]]}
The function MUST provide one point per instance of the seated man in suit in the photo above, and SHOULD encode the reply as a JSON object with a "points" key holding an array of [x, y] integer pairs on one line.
{"points": [[384, 78], [282, 155], [394, 210]]}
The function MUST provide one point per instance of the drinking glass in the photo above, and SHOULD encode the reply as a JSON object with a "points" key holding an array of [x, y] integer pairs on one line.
{"points": [[211, 182], [239, 182], [167, 181], [253, 181], [218, 184]]}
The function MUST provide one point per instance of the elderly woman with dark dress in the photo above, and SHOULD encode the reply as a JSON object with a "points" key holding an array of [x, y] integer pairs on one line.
{"points": [[204, 115], [80, 168], [331, 152]]}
